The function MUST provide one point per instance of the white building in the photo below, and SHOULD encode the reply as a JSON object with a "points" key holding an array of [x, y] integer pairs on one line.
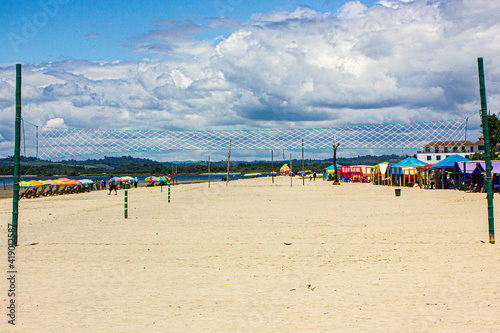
{"points": [[436, 151]]}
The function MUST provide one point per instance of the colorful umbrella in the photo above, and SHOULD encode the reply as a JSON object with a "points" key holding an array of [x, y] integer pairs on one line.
{"points": [[163, 179], [35, 183], [151, 179], [52, 182], [86, 181], [26, 184], [64, 179]]}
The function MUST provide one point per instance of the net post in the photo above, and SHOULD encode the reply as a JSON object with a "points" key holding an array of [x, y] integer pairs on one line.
{"points": [[228, 160], [487, 151], [303, 176], [168, 185], [291, 172], [272, 166], [126, 201], [17, 158], [208, 171]]}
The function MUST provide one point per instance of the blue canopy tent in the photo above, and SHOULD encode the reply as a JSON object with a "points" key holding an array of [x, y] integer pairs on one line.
{"points": [[448, 163], [410, 162], [330, 170]]}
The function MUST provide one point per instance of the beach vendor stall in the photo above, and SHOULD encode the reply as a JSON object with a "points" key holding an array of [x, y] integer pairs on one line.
{"points": [[406, 171], [447, 164], [424, 176], [329, 172], [361, 173], [345, 173], [379, 171]]}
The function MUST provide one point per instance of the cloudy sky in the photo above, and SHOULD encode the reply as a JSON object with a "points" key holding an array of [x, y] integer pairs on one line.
{"points": [[239, 64]]}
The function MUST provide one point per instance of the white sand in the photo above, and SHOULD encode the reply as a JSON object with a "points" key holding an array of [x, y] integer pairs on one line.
{"points": [[360, 260]]}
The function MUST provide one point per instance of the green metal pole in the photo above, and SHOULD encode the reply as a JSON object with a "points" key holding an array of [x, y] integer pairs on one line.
{"points": [[487, 151], [17, 158], [126, 200], [169, 178]]}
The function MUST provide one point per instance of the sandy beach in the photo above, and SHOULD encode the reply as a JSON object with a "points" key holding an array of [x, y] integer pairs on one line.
{"points": [[255, 257]]}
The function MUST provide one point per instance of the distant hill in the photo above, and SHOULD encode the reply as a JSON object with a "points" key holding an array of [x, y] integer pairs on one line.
{"points": [[132, 165]]}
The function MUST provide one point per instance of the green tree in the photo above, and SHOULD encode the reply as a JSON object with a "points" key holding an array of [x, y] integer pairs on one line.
{"points": [[494, 133]]}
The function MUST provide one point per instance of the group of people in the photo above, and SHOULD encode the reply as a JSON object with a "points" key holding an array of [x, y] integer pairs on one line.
{"points": [[114, 185]]}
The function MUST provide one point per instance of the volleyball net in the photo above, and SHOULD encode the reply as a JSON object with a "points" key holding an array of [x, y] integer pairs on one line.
{"points": [[57, 143]]}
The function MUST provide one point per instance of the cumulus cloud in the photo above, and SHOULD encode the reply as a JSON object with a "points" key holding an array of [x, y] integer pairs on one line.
{"points": [[56, 122], [398, 61]]}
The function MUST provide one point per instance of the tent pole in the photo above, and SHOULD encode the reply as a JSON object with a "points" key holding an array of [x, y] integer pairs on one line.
{"points": [[454, 180]]}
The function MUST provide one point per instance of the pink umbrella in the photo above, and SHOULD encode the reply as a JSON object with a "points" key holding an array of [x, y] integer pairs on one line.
{"points": [[52, 182]]}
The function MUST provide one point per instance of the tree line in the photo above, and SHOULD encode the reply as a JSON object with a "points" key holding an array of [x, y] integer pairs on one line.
{"points": [[133, 166]]}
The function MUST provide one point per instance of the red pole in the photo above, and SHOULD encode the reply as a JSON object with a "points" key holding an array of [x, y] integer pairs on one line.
{"points": [[272, 166]]}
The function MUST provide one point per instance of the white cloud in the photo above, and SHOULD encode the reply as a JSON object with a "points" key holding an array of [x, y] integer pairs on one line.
{"points": [[56, 122], [398, 61]]}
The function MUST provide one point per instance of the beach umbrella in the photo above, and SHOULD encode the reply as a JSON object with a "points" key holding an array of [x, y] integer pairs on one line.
{"points": [[52, 182], [163, 179], [35, 183], [64, 179], [86, 181], [59, 182], [151, 179], [116, 179], [127, 178], [26, 184]]}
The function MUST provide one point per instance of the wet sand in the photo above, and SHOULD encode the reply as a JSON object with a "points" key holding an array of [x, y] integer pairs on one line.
{"points": [[255, 257]]}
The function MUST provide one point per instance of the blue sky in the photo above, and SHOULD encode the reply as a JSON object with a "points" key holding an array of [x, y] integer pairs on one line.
{"points": [[237, 64], [101, 30]]}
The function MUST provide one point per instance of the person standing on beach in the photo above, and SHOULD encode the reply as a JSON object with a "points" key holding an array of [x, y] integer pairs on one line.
{"points": [[135, 182], [112, 185], [314, 176]]}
